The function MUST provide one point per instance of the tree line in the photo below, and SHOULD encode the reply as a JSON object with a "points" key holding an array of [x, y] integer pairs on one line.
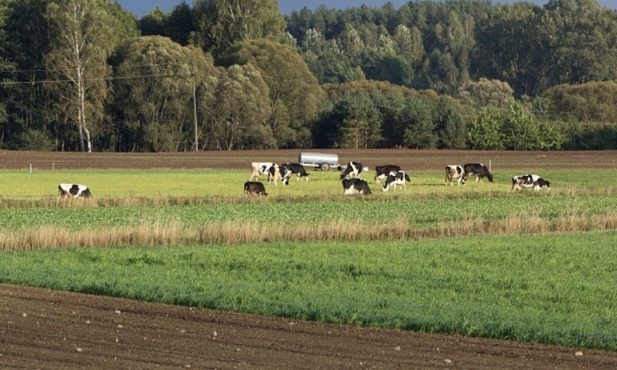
{"points": [[86, 75]]}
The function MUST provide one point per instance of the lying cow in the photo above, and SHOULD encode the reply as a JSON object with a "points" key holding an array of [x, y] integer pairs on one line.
{"points": [[73, 191], [355, 186], [353, 169], [381, 172], [454, 172], [294, 168], [394, 179], [259, 168], [478, 169], [529, 181], [254, 188]]}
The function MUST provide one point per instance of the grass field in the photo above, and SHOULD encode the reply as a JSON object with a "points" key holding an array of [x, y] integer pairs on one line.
{"points": [[550, 289], [167, 183], [477, 259]]}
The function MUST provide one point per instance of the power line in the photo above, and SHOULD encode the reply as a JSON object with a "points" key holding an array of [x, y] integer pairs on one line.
{"points": [[114, 78]]}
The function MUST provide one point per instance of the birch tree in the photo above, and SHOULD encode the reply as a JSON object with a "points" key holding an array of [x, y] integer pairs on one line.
{"points": [[81, 39]]}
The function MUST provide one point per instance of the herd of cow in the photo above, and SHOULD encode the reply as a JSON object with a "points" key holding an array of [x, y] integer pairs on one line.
{"points": [[350, 178], [393, 174]]}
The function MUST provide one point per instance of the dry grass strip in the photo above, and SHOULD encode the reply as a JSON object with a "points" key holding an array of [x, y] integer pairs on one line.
{"points": [[172, 233]]}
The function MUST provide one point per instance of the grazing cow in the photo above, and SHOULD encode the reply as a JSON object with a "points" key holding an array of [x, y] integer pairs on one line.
{"points": [[381, 172], [353, 169], [259, 168], [394, 179], [294, 168], [254, 188], [73, 191], [355, 186], [529, 181], [454, 172], [478, 169]]}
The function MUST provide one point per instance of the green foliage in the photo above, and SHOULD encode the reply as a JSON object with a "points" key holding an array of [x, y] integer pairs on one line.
{"points": [[360, 122], [294, 92], [486, 93], [242, 110], [543, 289], [589, 136], [418, 118], [560, 55], [220, 24], [36, 140], [153, 110], [589, 102], [485, 131], [83, 35], [449, 126], [520, 131]]}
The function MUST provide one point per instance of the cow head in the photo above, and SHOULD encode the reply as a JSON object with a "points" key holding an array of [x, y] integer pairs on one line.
{"points": [[285, 174]]}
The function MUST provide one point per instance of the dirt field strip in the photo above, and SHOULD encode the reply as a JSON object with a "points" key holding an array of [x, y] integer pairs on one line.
{"points": [[48, 329]]}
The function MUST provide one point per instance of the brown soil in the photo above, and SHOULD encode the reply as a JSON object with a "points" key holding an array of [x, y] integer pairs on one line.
{"points": [[409, 160], [44, 329], [56, 330]]}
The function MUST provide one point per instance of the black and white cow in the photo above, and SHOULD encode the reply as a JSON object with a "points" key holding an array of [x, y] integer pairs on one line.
{"points": [[259, 168], [353, 169], [394, 179], [255, 188], [275, 174], [355, 186], [73, 191], [381, 172], [529, 181], [454, 172], [294, 168], [478, 169]]}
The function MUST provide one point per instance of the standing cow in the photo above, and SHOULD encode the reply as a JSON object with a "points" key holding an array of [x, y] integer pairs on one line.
{"points": [[259, 168], [353, 169], [381, 172], [478, 169], [529, 181], [394, 179], [274, 174], [73, 191], [454, 172], [355, 186], [254, 188]]}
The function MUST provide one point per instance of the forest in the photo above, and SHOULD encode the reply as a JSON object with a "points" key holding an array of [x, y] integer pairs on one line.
{"points": [[86, 75]]}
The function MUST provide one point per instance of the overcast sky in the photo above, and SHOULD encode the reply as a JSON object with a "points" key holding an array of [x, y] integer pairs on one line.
{"points": [[141, 8]]}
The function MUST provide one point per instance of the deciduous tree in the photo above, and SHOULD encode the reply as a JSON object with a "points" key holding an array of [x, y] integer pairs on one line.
{"points": [[154, 93], [294, 92], [82, 36], [222, 23]]}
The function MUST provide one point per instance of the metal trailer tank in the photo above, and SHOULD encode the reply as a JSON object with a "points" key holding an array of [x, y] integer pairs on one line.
{"points": [[321, 161]]}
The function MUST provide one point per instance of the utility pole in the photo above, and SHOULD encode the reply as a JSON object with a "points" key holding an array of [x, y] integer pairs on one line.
{"points": [[195, 109]]}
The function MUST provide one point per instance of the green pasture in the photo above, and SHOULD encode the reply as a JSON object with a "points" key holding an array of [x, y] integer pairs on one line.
{"points": [[113, 184], [556, 289]]}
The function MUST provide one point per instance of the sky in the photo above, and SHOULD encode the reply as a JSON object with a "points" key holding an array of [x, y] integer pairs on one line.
{"points": [[143, 7]]}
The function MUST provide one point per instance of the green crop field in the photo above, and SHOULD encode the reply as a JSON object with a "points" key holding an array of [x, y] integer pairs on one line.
{"points": [[477, 259]]}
